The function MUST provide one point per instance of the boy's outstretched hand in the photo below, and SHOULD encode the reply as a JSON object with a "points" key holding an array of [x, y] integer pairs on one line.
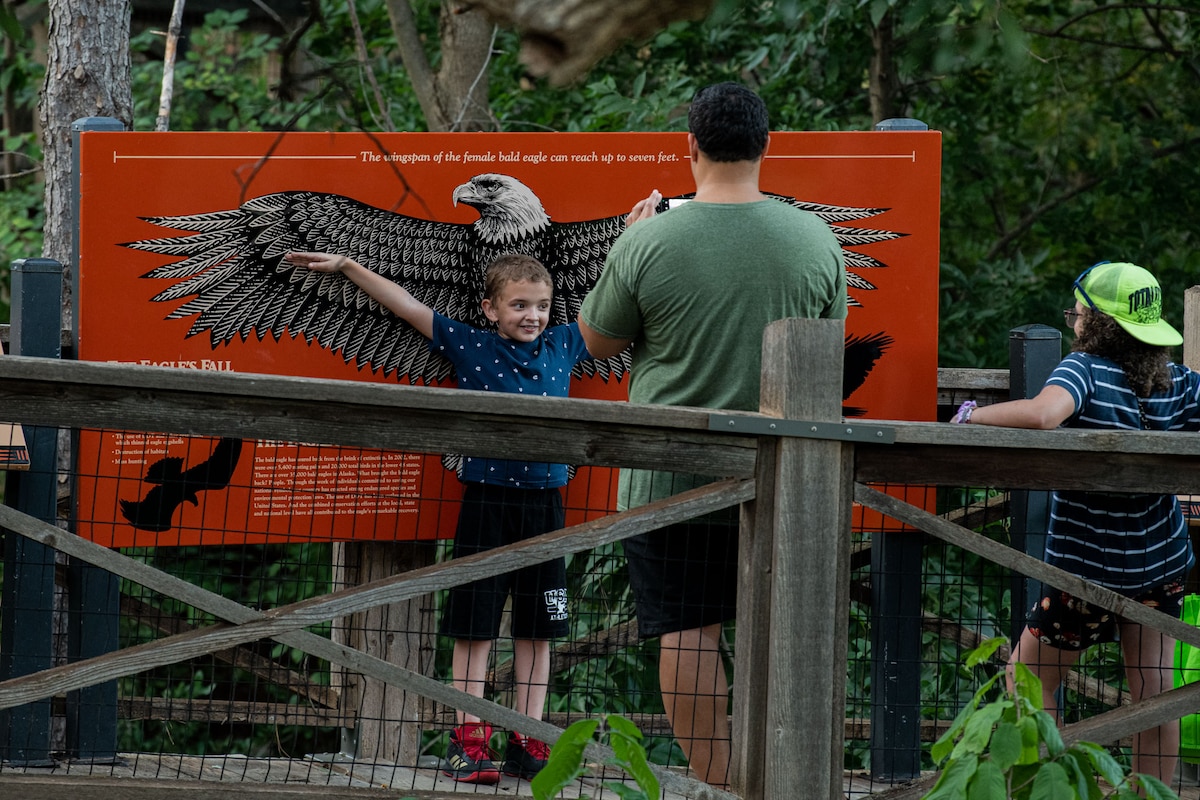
{"points": [[392, 296], [321, 262]]}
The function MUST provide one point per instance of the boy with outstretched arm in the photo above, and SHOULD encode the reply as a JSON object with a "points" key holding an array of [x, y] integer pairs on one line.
{"points": [[504, 501]]}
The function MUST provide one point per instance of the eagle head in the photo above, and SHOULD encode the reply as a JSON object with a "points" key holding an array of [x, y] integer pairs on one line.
{"points": [[508, 209]]}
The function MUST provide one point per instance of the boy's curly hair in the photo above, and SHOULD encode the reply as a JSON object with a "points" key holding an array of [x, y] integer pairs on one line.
{"points": [[1145, 365]]}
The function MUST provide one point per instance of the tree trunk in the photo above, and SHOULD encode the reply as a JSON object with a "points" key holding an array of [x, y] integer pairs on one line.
{"points": [[87, 75], [163, 123], [455, 98], [884, 84]]}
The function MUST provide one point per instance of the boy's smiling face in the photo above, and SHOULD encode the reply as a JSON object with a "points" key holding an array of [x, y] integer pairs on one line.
{"points": [[521, 311]]}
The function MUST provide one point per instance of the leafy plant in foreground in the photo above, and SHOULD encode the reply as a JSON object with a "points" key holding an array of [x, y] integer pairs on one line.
{"points": [[1010, 749], [566, 762]]}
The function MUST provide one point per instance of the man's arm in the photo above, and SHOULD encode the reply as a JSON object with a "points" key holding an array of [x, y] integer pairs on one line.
{"points": [[599, 345], [391, 295]]}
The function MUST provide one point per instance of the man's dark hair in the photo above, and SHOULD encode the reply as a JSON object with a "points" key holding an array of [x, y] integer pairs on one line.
{"points": [[729, 122]]}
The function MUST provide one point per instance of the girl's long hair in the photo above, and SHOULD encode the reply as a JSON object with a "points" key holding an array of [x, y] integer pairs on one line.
{"points": [[1145, 365]]}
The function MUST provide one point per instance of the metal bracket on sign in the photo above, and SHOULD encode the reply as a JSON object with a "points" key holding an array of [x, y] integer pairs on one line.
{"points": [[838, 431]]}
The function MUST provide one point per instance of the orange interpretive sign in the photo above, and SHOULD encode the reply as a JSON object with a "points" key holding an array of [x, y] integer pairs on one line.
{"points": [[180, 266]]}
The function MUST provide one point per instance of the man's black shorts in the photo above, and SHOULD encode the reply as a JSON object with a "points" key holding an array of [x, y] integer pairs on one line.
{"points": [[493, 516], [684, 576]]}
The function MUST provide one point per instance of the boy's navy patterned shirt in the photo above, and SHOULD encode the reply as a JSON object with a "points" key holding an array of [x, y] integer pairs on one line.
{"points": [[485, 361]]}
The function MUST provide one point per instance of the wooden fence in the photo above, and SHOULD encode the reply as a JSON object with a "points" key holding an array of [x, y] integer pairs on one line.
{"points": [[794, 469]]}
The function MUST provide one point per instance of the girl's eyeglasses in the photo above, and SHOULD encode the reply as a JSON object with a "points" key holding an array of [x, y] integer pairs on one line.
{"points": [[1070, 315]]}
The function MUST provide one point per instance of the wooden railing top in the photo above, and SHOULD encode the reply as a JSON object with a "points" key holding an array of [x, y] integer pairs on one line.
{"points": [[79, 394], [584, 432]]}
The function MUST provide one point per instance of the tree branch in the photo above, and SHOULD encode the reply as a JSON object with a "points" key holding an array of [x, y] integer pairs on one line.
{"points": [[163, 122], [1033, 216], [383, 119], [563, 39], [1104, 9], [1146, 8], [416, 62]]}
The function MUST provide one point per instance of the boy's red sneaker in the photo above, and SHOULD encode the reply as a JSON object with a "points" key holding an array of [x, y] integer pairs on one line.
{"points": [[525, 757], [468, 759]]}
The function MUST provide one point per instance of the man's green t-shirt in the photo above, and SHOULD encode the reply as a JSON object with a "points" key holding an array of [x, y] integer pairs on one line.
{"points": [[695, 287]]}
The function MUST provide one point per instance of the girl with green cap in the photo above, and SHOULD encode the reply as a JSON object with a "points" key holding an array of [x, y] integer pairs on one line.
{"points": [[1118, 377]]}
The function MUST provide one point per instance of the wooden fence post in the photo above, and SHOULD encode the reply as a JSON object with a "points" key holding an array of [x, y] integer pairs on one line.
{"points": [[1191, 327], [810, 483], [388, 719]]}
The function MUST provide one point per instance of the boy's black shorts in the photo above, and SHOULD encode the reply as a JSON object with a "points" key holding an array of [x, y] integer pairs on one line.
{"points": [[684, 576], [493, 516]]}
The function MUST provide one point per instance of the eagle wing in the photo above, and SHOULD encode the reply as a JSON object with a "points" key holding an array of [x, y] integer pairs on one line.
{"points": [[232, 280], [850, 237], [860, 355], [574, 252]]}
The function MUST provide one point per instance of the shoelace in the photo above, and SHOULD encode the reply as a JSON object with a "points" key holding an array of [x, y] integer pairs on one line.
{"points": [[536, 748], [477, 749]]}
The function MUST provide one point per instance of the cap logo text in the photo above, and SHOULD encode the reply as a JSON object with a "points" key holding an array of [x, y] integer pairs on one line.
{"points": [[1145, 305]]}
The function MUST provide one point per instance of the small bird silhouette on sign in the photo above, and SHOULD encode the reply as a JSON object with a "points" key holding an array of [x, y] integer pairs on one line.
{"points": [[172, 485]]}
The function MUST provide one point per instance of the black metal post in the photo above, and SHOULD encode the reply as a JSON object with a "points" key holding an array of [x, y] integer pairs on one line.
{"points": [[27, 604], [93, 594], [1033, 353], [896, 559]]}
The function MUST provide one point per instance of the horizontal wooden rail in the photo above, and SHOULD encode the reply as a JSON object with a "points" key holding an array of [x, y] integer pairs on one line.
{"points": [[584, 432], [222, 712], [285, 623], [1009, 458], [386, 416], [1103, 728]]}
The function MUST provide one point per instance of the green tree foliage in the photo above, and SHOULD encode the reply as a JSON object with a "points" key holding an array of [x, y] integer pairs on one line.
{"points": [[226, 78], [1068, 126], [20, 153], [1074, 154]]}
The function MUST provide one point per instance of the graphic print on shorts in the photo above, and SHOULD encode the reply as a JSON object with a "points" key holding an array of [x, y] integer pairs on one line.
{"points": [[556, 603]]}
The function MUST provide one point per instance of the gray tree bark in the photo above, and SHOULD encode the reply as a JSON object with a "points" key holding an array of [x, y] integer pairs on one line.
{"points": [[87, 75], [455, 97]]}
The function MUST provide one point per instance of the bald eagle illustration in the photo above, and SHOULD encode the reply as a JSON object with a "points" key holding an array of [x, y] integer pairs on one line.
{"points": [[230, 278]]}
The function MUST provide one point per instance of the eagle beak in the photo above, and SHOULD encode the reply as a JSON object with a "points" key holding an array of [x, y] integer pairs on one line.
{"points": [[462, 192]]}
